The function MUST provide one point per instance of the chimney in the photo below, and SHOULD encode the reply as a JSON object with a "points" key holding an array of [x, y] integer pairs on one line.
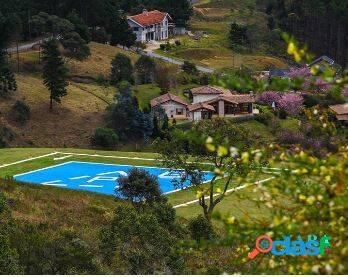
{"points": [[145, 11]]}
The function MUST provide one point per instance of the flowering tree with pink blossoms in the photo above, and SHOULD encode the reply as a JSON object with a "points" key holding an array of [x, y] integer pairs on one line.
{"points": [[268, 97], [291, 103], [301, 72]]}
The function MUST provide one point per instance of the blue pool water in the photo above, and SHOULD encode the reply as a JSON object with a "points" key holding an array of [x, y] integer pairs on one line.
{"points": [[96, 177]]}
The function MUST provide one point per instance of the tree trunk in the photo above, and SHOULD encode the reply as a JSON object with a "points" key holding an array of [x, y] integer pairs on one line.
{"points": [[51, 103]]}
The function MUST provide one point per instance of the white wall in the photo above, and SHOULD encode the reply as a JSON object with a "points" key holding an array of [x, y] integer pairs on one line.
{"points": [[197, 115], [170, 109], [140, 33]]}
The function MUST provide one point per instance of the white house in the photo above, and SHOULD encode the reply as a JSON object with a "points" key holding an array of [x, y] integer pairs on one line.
{"points": [[150, 25], [173, 105]]}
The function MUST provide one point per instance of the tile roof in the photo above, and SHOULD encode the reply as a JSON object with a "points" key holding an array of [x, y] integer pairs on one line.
{"points": [[234, 98], [148, 18], [210, 90], [340, 109], [165, 98], [200, 105]]}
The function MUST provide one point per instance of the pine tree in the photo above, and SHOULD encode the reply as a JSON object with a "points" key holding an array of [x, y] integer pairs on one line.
{"points": [[156, 131], [7, 79], [55, 72]]}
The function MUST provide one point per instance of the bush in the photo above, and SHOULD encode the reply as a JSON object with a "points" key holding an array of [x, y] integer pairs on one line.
{"points": [[289, 137], [6, 136], [165, 46], [283, 114], [100, 35], [177, 42], [105, 137], [101, 80], [204, 79], [201, 229], [21, 111], [184, 78], [264, 118], [189, 68]]}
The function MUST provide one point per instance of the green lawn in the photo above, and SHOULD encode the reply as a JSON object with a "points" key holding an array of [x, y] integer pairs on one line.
{"points": [[229, 205]]}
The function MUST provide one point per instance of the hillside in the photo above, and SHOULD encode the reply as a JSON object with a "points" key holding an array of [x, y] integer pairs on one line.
{"points": [[213, 18], [74, 120]]}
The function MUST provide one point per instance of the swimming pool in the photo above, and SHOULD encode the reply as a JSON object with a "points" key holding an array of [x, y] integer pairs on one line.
{"points": [[97, 177]]}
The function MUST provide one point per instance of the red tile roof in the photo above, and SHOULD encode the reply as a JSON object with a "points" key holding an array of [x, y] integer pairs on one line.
{"points": [[200, 105], [165, 98], [210, 90], [234, 98], [149, 18]]}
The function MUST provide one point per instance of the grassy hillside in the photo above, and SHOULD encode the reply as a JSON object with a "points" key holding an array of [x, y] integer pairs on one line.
{"points": [[73, 121], [214, 18], [240, 203]]}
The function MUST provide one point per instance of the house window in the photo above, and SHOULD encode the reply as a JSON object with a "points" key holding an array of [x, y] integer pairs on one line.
{"points": [[135, 28], [179, 111]]}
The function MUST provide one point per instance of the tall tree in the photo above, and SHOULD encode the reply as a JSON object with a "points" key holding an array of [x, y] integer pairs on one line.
{"points": [[80, 26], [7, 80], [55, 72], [120, 31], [165, 76], [126, 118], [187, 150], [121, 69], [145, 69]]}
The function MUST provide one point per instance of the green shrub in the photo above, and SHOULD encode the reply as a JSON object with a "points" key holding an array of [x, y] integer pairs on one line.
{"points": [[177, 42], [165, 46], [21, 111], [184, 78], [201, 229], [264, 118], [204, 79], [283, 114], [105, 137], [189, 68], [6, 136], [101, 80]]}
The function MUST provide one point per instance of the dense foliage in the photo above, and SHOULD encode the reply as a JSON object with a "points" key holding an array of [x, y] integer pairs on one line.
{"points": [[125, 116], [138, 186], [95, 14], [121, 69], [7, 80], [105, 137], [320, 23]]}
